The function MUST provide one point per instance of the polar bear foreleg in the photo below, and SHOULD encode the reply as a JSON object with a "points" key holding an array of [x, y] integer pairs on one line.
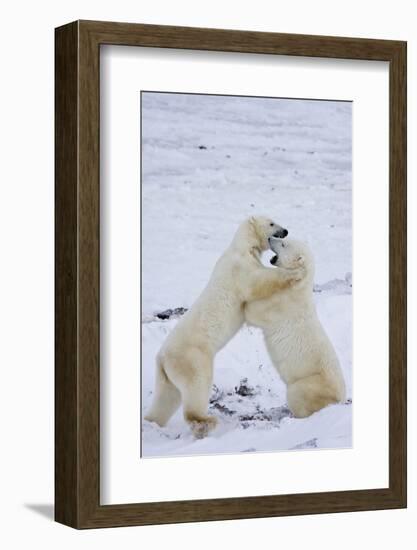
{"points": [[266, 281], [194, 381]]}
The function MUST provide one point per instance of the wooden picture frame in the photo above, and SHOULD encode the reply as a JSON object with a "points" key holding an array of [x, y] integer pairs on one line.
{"points": [[77, 358]]}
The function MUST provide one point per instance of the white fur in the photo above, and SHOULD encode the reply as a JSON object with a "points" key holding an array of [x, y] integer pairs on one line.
{"points": [[297, 343], [185, 361]]}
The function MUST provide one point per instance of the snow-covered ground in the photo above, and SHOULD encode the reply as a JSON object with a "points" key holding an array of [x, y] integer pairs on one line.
{"points": [[208, 162]]}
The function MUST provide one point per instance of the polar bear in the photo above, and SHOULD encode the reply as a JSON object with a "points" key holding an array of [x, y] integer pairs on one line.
{"points": [[184, 364], [296, 341]]}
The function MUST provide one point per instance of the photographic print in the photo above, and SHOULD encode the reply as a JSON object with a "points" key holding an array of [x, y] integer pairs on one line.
{"points": [[246, 274], [203, 274]]}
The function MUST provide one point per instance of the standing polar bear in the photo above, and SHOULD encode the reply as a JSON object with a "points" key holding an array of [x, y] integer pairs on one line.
{"points": [[297, 343], [184, 365]]}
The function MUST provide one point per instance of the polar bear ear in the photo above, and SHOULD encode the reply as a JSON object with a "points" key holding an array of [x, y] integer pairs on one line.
{"points": [[253, 223]]}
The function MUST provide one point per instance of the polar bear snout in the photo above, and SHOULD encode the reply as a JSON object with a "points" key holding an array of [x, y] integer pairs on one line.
{"points": [[281, 233], [274, 259]]}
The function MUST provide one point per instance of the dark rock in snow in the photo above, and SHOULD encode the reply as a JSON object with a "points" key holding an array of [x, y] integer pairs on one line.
{"points": [[217, 394], [244, 389], [276, 414], [164, 314], [168, 313], [223, 409]]}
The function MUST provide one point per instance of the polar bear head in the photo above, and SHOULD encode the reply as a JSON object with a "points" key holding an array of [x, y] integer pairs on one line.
{"points": [[292, 253], [253, 234], [262, 228]]}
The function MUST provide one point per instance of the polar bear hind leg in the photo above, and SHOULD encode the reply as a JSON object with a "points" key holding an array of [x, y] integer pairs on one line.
{"points": [[166, 400], [310, 394], [193, 376]]}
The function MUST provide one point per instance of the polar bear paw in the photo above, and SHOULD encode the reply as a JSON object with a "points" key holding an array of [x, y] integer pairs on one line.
{"points": [[202, 426]]}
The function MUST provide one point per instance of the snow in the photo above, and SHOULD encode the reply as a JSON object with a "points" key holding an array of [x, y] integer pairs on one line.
{"points": [[208, 162]]}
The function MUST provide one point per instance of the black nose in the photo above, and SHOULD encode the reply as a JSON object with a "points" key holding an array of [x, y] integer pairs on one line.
{"points": [[273, 260], [281, 233]]}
